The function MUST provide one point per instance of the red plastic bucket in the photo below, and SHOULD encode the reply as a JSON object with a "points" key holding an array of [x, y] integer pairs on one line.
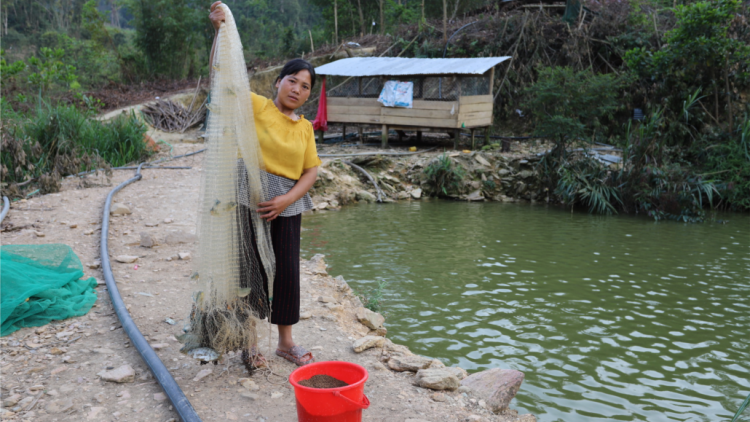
{"points": [[343, 404]]}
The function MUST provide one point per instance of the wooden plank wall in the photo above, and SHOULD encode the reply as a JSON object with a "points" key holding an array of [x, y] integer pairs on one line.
{"points": [[474, 111]]}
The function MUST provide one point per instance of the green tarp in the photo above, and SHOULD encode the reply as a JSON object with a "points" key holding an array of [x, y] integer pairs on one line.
{"points": [[41, 283]]}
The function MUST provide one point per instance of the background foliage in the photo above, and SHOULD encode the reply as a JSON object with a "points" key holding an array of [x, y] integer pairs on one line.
{"points": [[576, 75]]}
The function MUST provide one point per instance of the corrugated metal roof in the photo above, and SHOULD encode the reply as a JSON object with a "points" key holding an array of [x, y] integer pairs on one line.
{"points": [[402, 66]]}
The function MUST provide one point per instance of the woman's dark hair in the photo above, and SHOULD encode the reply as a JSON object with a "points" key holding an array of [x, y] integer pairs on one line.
{"points": [[294, 66]]}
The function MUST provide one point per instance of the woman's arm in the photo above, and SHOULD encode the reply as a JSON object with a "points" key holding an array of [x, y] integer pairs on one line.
{"points": [[277, 205]]}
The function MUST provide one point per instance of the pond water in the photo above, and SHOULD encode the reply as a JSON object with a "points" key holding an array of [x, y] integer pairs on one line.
{"points": [[610, 318]]}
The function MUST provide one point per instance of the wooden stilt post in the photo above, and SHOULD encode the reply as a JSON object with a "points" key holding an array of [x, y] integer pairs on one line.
{"points": [[487, 135], [419, 136], [361, 134], [456, 136], [343, 131], [384, 142], [320, 136], [473, 146]]}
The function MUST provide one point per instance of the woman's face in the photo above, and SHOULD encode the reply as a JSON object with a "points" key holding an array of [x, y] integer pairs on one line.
{"points": [[293, 90]]}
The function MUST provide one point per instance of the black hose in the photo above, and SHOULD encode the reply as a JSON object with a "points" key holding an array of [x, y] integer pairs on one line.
{"points": [[377, 188], [154, 167], [171, 389], [508, 137], [6, 207], [148, 165], [376, 153]]}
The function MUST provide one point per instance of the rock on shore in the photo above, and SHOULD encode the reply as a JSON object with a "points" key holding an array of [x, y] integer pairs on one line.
{"points": [[497, 386]]}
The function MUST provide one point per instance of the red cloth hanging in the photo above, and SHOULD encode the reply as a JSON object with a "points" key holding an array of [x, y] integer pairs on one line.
{"points": [[321, 119]]}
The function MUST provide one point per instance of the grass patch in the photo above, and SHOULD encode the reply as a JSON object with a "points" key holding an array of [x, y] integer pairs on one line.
{"points": [[443, 175], [54, 141]]}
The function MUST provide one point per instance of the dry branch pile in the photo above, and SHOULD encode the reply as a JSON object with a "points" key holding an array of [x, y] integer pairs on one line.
{"points": [[169, 116]]}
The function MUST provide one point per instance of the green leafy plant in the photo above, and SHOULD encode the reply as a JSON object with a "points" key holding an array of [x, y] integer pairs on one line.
{"points": [[444, 176], [699, 54], [167, 34], [728, 160], [372, 298], [90, 104], [652, 183], [58, 140], [9, 71], [49, 69], [587, 181], [567, 106]]}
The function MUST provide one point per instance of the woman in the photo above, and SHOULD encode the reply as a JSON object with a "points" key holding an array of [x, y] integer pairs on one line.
{"points": [[287, 143]]}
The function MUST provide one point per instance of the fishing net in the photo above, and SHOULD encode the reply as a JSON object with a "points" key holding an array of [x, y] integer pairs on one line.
{"points": [[235, 254], [40, 284]]}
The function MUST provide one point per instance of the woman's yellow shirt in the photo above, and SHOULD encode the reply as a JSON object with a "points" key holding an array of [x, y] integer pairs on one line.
{"points": [[287, 146]]}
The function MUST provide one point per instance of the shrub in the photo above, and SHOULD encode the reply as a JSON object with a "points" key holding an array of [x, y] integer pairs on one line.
{"points": [[371, 299], [56, 141], [63, 128], [729, 161], [588, 182], [9, 71], [567, 106], [48, 69], [168, 33], [653, 182], [444, 176], [700, 54]]}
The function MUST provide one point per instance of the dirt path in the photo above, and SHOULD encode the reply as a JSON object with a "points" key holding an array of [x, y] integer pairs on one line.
{"points": [[56, 366]]}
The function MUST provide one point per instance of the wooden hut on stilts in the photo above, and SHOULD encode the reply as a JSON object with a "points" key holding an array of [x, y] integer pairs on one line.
{"points": [[449, 95]]}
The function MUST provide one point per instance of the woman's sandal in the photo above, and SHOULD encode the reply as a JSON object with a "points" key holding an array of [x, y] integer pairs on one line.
{"points": [[297, 355], [252, 358]]}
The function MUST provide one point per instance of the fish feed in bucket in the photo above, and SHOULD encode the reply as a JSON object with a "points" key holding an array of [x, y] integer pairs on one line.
{"points": [[340, 404]]}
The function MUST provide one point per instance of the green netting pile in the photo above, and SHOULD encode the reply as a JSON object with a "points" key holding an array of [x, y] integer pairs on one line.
{"points": [[41, 283]]}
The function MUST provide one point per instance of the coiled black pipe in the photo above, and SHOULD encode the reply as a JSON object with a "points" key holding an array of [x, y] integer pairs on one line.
{"points": [[6, 207], [171, 389], [372, 179]]}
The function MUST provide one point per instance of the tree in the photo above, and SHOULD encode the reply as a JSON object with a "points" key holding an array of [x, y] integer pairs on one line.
{"points": [[9, 71], [698, 53], [167, 33], [445, 21], [361, 19], [567, 106], [49, 69], [382, 17]]}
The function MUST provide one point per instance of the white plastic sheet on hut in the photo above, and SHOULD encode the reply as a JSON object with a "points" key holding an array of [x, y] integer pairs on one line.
{"points": [[397, 94]]}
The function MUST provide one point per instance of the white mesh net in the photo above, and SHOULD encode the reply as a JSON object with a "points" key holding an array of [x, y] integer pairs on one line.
{"points": [[235, 254]]}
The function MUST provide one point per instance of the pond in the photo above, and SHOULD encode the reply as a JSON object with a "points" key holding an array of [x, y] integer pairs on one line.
{"points": [[609, 317]]}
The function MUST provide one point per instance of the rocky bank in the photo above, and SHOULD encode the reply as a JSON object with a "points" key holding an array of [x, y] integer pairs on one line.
{"points": [[486, 175]]}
